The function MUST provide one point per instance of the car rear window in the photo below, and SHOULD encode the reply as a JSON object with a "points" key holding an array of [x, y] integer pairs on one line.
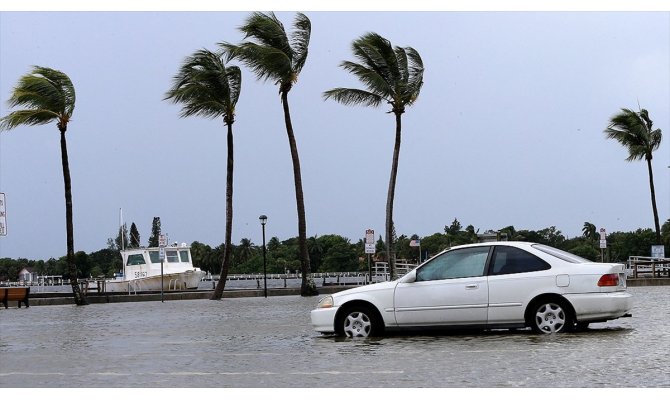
{"points": [[563, 255]]}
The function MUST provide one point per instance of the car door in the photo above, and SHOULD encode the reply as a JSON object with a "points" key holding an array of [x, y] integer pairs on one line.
{"points": [[450, 289], [514, 278]]}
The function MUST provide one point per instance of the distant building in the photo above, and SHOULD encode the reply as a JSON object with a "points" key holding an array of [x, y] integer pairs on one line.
{"points": [[28, 275]]}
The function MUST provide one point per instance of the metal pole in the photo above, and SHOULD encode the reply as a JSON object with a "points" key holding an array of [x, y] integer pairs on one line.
{"points": [[369, 268], [162, 281], [265, 275]]}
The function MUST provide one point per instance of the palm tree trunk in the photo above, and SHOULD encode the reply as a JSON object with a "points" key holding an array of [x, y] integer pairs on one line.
{"points": [[307, 287], [79, 296], [390, 246], [225, 266], [653, 201]]}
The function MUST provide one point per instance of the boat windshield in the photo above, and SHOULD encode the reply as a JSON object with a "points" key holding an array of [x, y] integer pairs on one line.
{"points": [[135, 259], [172, 256], [183, 254], [155, 257]]}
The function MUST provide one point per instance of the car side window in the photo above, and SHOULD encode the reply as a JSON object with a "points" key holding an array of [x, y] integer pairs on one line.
{"points": [[510, 260], [460, 263]]}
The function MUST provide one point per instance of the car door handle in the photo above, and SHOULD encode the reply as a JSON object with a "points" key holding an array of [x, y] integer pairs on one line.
{"points": [[472, 286]]}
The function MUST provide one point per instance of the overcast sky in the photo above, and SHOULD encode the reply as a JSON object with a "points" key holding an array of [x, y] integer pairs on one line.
{"points": [[508, 128]]}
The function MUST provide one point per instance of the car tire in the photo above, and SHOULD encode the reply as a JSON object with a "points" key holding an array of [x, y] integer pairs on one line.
{"points": [[581, 326], [550, 316], [359, 321]]}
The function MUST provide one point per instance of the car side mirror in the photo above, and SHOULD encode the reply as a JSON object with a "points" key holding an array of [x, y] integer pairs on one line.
{"points": [[410, 277]]}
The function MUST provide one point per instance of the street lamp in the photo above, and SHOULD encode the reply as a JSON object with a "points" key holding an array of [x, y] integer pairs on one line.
{"points": [[263, 219]]}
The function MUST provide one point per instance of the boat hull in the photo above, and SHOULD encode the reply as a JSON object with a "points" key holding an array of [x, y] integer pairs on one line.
{"points": [[174, 281]]}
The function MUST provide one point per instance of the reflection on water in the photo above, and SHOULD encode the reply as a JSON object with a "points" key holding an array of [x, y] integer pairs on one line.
{"points": [[259, 342]]}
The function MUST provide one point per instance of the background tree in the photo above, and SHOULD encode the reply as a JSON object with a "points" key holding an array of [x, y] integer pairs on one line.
{"points": [[245, 250], [206, 87], [277, 56], [121, 241], [590, 231], [634, 131], [48, 95], [391, 76], [134, 237], [155, 232]]}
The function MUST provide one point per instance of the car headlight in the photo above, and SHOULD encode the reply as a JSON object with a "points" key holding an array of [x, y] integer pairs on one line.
{"points": [[326, 302]]}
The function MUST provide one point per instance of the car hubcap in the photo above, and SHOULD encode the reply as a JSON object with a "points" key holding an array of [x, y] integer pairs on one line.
{"points": [[357, 324], [550, 318]]}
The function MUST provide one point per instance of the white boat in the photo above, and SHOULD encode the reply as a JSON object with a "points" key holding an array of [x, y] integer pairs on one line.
{"points": [[142, 270]]}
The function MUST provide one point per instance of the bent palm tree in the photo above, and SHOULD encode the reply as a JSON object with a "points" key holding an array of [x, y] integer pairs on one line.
{"points": [[633, 130], [274, 56], [48, 95], [392, 75], [206, 87]]}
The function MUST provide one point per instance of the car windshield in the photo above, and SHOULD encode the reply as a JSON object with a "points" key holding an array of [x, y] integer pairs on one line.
{"points": [[563, 255]]}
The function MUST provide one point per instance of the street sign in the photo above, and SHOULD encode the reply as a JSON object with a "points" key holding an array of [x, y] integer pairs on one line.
{"points": [[603, 244], [603, 234], [658, 251], [369, 248], [162, 240], [161, 253], [3, 216], [369, 236]]}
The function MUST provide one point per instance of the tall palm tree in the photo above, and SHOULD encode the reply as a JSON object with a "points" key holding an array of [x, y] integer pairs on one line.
{"points": [[272, 54], [590, 231], [391, 75], [206, 87], [48, 95], [245, 249], [634, 131]]}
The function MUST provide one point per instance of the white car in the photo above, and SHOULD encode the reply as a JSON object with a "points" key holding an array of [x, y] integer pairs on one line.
{"points": [[485, 285]]}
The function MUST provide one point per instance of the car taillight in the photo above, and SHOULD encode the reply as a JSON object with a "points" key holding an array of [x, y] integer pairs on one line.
{"points": [[609, 280]]}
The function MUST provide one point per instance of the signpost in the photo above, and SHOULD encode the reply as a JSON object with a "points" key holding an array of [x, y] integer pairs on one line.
{"points": [[369, 248], [603, 244], [162, 240], [3, 216]]}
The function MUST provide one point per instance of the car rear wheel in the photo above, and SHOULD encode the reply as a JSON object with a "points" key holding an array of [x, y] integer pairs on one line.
{"points": [[360, 321], [550, 317]]}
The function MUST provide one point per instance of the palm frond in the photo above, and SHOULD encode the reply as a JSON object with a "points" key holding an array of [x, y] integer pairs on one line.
{"points": [[302, 30], [26, 117], [269, 53], [206, 87], [393, 75], [268, 31], [265, 62], [353, 97], [374, 82], [45, 94], [633, 131]]}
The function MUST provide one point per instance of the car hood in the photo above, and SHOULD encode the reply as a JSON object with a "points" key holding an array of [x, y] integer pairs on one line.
{"points": [[366, 288]]}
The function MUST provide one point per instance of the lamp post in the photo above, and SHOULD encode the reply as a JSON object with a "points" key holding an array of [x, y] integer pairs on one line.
{"points": [[263, 219]]}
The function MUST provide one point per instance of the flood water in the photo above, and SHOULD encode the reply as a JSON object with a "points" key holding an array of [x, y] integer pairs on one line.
{"points": [[259, 342]]}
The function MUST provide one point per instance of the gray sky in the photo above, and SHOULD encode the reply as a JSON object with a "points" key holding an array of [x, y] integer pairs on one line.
{"points": [[508, 129]]}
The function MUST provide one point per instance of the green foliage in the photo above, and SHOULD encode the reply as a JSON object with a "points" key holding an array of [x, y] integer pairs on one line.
{"points": [[134, 237], [45, 95], [155, 232]]}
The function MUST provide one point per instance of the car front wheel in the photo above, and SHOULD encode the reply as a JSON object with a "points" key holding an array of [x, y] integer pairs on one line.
{"points": [[360, 321], [550, 317]]}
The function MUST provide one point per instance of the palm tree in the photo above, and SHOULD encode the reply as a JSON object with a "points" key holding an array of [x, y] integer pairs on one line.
{"points": [[274, 55], [245, 249], [206, 87], [633, 130], [590, 232], [48, 95], [391, 75]]}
